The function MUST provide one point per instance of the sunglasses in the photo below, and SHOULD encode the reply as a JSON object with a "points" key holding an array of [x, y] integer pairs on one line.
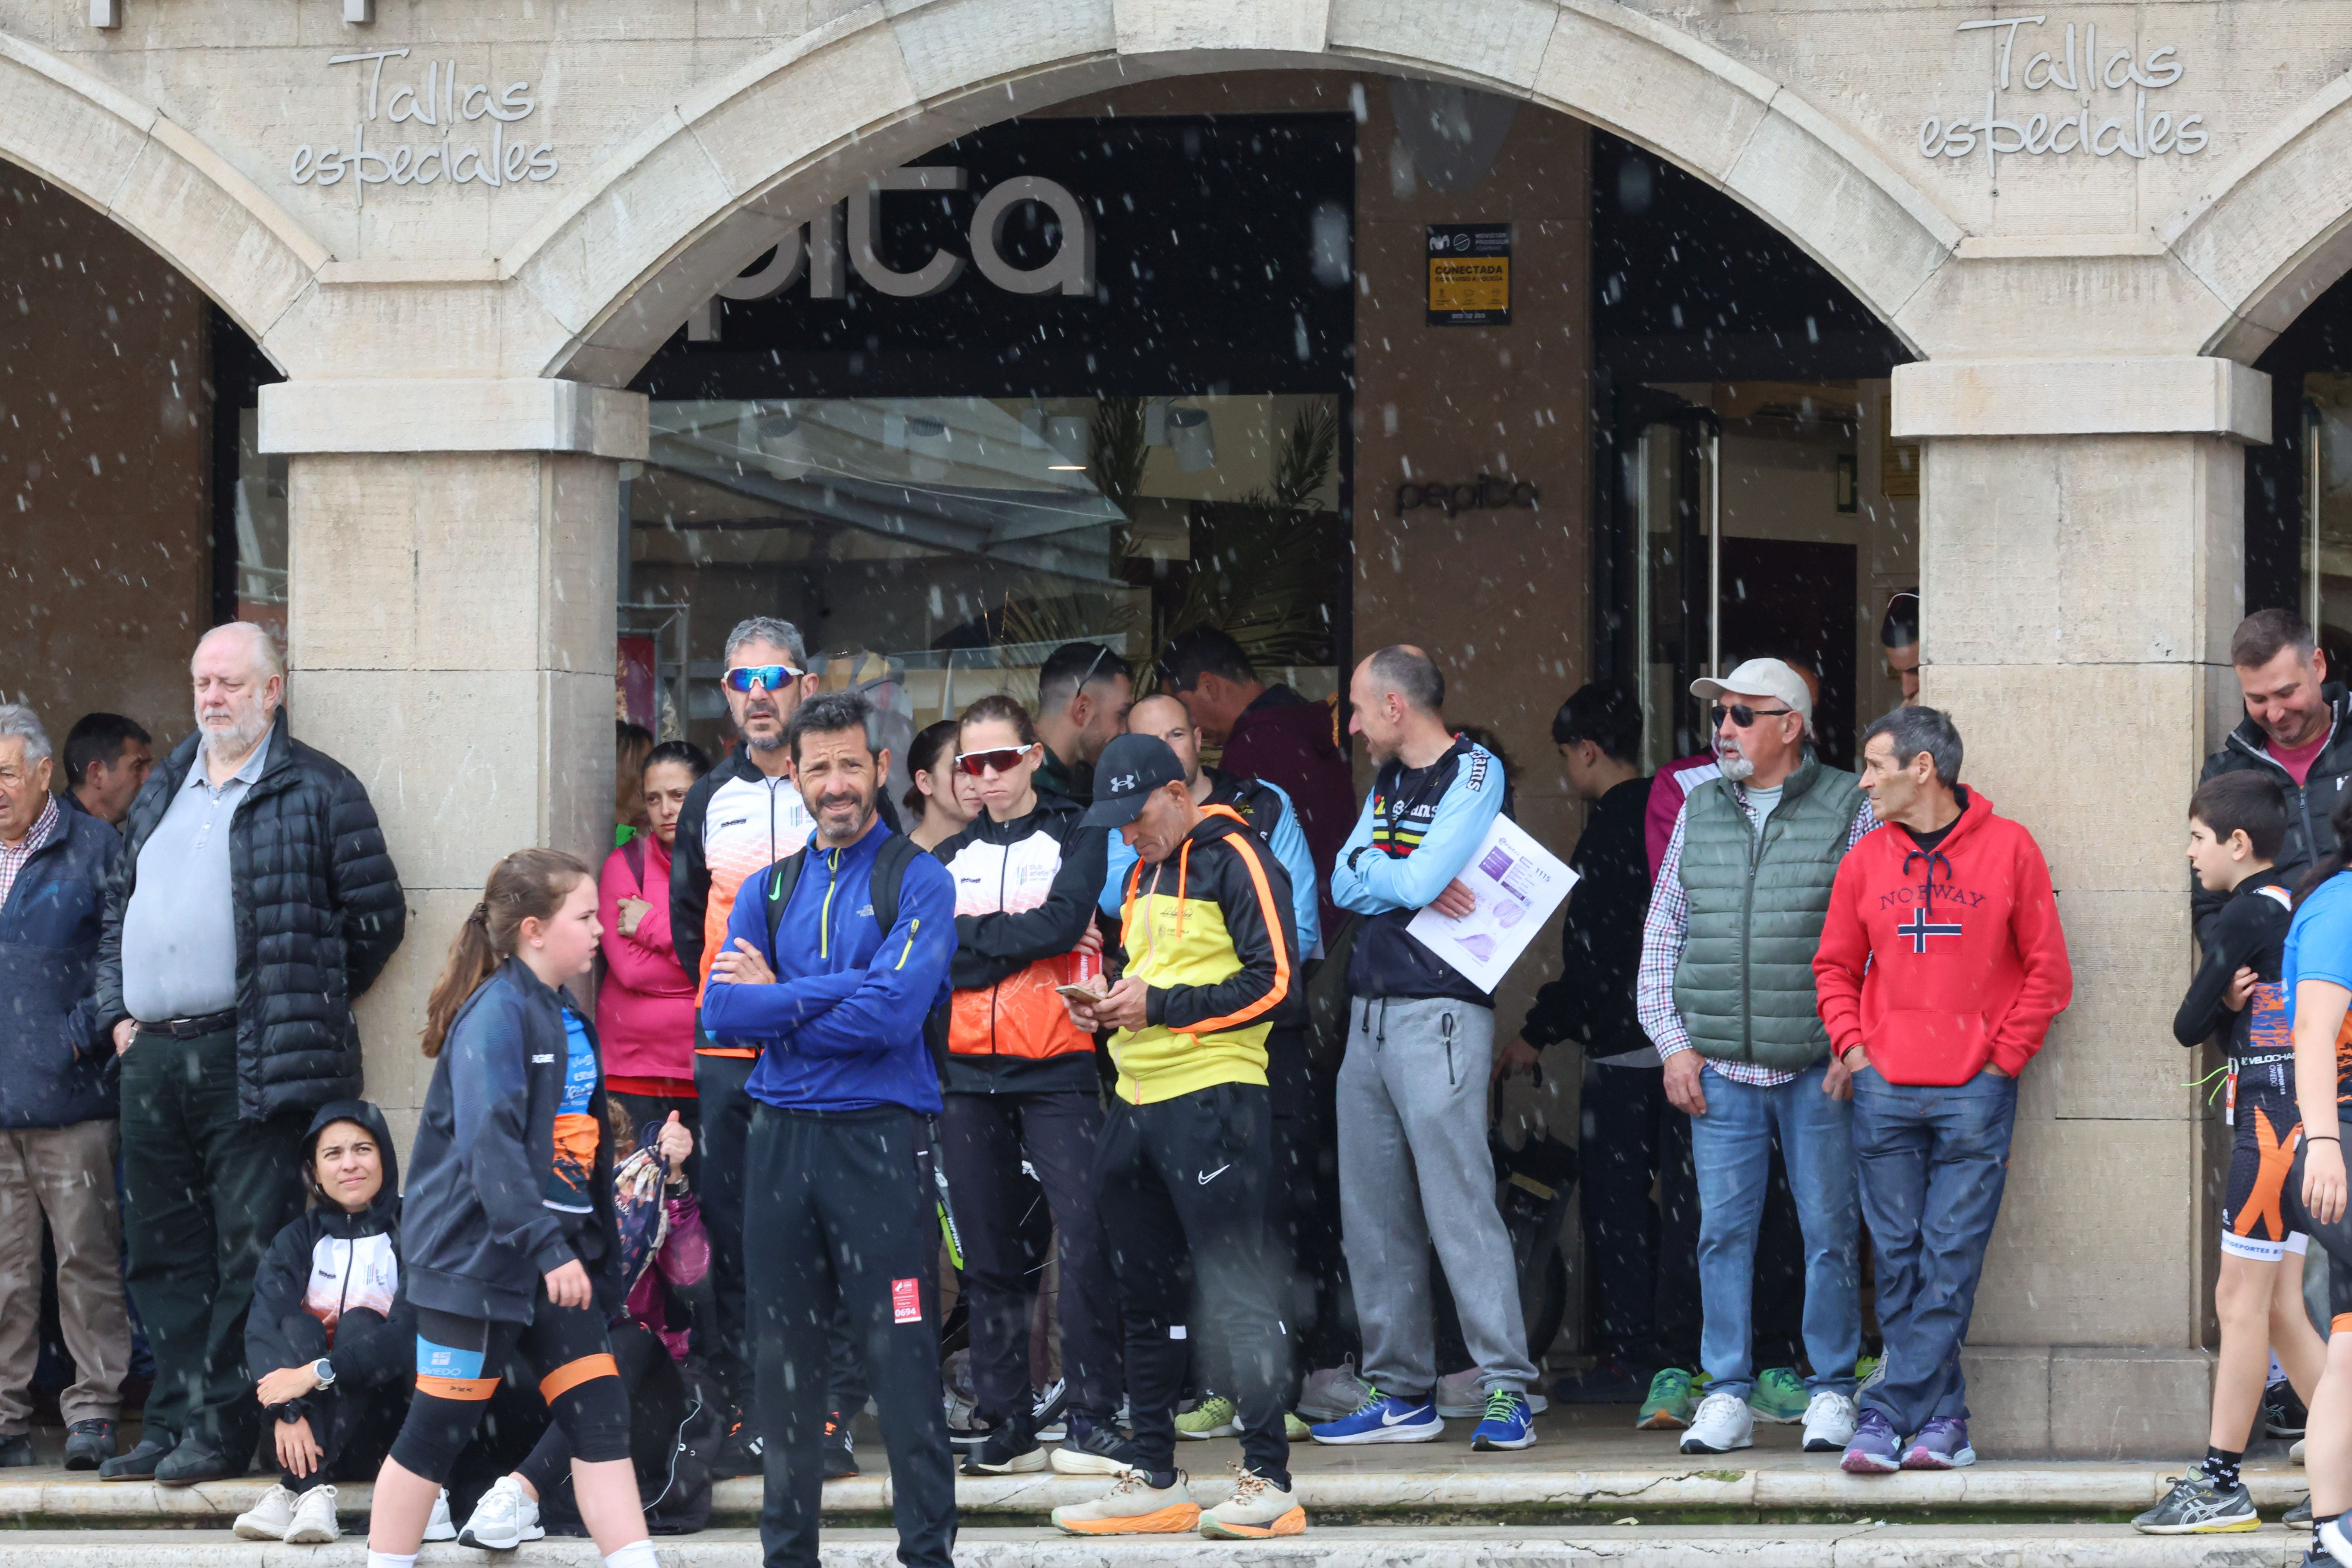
{"points": [[746, 678], [1003, 759], [1742, 715]]}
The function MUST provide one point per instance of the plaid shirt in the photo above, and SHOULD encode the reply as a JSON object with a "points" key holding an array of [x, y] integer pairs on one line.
{"points": [[1667, 931], [12, 860]]}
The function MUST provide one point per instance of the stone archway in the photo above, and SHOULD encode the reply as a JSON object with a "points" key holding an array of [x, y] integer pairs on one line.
{"points": [[713, 182], [182, 200]]}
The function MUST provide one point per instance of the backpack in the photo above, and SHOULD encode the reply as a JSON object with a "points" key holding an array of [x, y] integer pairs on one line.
{"points": [[890, 863]]}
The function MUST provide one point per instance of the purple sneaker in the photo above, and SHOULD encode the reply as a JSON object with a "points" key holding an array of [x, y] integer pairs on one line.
{"points": [[1942, 1444], [1874, 1450]]}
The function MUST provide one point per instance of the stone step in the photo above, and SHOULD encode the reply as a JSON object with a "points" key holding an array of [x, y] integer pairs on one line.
{"points": [[1745, 1546], [34, 1498]]}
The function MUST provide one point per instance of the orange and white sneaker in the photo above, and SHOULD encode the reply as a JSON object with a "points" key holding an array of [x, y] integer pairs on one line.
{"points": [[1133, 1507], [1256, 1510]]}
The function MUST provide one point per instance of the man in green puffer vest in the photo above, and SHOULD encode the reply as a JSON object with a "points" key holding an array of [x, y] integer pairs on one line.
{"points": [[1725, 991]]}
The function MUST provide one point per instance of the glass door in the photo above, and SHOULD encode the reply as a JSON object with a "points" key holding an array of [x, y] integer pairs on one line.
{"points": [[1673, 497]]}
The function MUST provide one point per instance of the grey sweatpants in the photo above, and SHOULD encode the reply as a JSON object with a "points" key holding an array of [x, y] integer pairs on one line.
{"points": [[1413, 1167]]}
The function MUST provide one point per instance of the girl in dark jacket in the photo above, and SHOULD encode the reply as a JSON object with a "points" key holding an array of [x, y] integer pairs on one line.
{"points": [[510, 1245], [331, 1330]]}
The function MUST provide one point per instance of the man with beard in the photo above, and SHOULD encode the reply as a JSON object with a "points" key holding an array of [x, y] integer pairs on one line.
{"points": [[831, 964], [254, 899], [1726, 991], [741, 817]]}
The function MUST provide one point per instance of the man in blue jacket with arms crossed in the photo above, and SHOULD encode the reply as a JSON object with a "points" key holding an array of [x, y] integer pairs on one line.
{"points": [[833, 959]]}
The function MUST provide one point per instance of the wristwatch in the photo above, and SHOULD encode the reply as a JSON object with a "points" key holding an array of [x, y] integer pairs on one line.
{"points": [[325, 1371]]}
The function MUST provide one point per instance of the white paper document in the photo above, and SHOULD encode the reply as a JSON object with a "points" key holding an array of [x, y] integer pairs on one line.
{"points": [[1518, 883]]}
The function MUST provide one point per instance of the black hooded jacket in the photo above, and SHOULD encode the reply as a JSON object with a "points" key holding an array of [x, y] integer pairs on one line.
{"points": [[2310, 805], [318, 911], [329, 1262]]}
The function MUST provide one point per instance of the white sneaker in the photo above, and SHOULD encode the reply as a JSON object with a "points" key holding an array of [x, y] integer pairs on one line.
{"points": [[314, 1519], [439, 1528], [2295, 1455], [267, 1519], [1829, 1420], [1462, 1396], [503, 1519], [1258, 1509], [1723, 1422]]}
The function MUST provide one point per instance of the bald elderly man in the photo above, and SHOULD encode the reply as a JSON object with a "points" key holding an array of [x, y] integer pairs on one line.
{"points": [[254, 900]]}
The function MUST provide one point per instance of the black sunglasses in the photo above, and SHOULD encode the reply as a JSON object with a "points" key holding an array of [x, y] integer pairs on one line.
{"points": [[1743, 716]]}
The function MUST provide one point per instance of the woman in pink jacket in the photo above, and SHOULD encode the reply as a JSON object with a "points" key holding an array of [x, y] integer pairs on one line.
{"points": [[645, 1009]]}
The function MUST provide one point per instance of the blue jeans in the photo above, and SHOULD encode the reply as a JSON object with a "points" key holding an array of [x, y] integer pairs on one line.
{"points": [[1934, 1160], [1731, 1146]]}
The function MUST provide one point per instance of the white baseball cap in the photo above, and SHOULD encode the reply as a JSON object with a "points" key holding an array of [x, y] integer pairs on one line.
{"points": [[1760, 678]]}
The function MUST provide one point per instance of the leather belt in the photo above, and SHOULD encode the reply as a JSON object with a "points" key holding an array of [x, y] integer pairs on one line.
{"points": [[191, 1028]]}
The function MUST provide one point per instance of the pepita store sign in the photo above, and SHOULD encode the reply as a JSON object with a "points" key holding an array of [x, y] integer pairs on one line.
{"points": [[2082, 99], [429, 128]]}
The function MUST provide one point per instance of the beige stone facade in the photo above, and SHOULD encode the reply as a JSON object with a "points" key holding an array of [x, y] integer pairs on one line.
{"points": [[2084, 292]]}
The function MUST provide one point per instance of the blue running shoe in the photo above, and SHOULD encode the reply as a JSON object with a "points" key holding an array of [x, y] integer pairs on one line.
{"points": [[1508, 1423], [1382, 1419]]}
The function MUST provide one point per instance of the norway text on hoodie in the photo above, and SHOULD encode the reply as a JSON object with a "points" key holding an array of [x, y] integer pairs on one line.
{"points": [[841, 1028], [1939, 962]]}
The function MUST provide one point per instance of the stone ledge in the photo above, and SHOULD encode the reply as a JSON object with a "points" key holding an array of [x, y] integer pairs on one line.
{"points": [[525, 414], [1792, 1546], [1682, 1486], [2182, 395]]}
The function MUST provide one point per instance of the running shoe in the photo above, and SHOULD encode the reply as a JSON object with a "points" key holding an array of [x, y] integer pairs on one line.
{"points": [[1508, 1423], [1332, 1393], [1093, 1450], [2315, 1558], [503, 1519], [1010, 1450], [1462, 1396], [268, 1518], [2333, 1541], [314, 1522], [438, 1527], [2197, 1505], [840, 1453], [1212, 1417], [1294, 1430], [1874, 1450], [1942, 1444], [1046, 1416], [1134, 1506], [2283, 1412], [1829, 1418], [1258, 1509], [744, 1453], [1384, 1419], [1724, 1422], [2295, 1455], [1668, 1406], [1779, 1396], [1869, 1372], [2299, 1516]]}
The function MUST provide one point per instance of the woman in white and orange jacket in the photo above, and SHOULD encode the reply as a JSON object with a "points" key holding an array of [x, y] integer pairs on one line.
{"points": [[1020, 1083]]}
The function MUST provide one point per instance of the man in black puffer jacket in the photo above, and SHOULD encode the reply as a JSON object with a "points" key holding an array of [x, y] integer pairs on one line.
{"points": [[252, 900]]}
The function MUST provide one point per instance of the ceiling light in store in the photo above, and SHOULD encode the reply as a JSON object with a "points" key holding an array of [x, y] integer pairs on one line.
{"points": [[1065, 468], [1192, 437]]}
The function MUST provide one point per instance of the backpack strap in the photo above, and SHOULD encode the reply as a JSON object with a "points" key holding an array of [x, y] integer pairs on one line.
{"points": [[890, 862], [778, 884]]}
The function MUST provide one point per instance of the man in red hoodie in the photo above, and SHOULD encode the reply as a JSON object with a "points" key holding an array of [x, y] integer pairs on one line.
{"points": [[1268, 732], [1940, 966]]}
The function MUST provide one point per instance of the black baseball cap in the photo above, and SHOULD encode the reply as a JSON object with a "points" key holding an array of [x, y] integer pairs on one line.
{"points": [[1132, 767]]}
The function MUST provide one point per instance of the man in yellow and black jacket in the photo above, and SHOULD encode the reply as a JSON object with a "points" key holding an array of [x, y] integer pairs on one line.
{"points": [[1184, 1158]]}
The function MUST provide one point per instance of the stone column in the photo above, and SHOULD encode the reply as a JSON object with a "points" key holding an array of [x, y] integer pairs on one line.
{"points": [[450, 572], [2082, 528]]}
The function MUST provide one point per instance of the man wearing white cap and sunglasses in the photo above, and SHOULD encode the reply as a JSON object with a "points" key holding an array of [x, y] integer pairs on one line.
{"points": [[1725, 991]]}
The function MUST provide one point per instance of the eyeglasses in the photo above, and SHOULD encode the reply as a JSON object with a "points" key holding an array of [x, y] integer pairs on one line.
{"points": [[748, 677], [1003, 759], [1742, 715]]}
